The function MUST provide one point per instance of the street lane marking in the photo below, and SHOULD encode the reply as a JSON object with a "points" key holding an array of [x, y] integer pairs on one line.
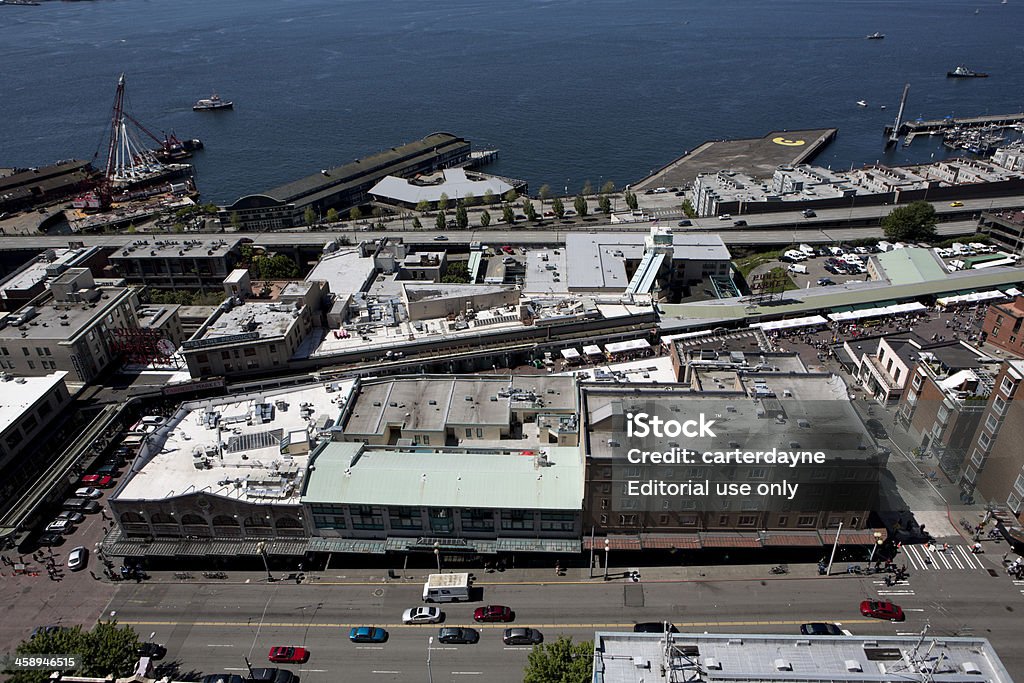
{"points": [[539, 625], [385, 672], [319, 671], [369, 647], [212, 645], [467, 673]]}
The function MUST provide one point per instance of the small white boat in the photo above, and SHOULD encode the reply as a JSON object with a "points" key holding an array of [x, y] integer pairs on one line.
{"points": [[883, 106], [861, 103]]}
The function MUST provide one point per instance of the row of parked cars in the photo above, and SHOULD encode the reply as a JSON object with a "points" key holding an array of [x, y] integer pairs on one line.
{"points": [[454, 634]]}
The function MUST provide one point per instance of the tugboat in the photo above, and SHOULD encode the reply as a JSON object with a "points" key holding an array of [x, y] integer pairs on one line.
{"points": [[963, 72], [211, 103], [876, 36]]}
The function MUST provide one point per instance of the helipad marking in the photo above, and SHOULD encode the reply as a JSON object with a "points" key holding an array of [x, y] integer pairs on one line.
{"points": [[785, 142]]}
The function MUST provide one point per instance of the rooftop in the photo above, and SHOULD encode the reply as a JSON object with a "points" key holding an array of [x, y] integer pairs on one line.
{"points": [[911, 265], [346, 271], [256, 319], [63, 321], [160, 249], [19, 394], [49, 264], [355, 474], [232, 446], [453, 182], [420, 291], [704, 657]]}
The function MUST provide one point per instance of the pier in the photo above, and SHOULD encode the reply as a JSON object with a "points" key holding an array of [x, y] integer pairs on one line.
{"points": [[942, 125]]}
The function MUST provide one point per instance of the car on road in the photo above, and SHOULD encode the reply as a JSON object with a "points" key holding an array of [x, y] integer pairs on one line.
{"points": [[955, 204], [422, 615], [809, 213], [493, 613], [77, 558], [59, 526], [367, 634], [288, 654], [270, 675], [51, 539], [151, 650], [108, 470], [655, 627], [725, 217], [222, 678], [98, 480], [83, 505], [820, 628], [876, 429], [825, 281], [73, 517], [684, 223], [88, 492], [456, 635], [739, 224], [522, 636], [440, 238], [881, 610]]}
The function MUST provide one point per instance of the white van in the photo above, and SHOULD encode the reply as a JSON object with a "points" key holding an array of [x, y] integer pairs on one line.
{"points": [[798, 269]]}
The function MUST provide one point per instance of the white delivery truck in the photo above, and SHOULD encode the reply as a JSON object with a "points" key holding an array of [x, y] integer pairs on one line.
{"points": [[446, 588]]}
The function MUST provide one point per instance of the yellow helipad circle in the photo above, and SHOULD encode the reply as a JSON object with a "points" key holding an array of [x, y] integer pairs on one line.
{"points": [[788, 143]]}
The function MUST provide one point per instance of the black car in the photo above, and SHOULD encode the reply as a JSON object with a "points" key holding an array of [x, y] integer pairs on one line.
{"points": [[151, 650], [455, 635], [876, 429], [809, 213], [655, 627], [272, 675], [684, 223], [739, 223], [820, 628], [51, 539], [223, 678], [825, 281], [522, 636]]}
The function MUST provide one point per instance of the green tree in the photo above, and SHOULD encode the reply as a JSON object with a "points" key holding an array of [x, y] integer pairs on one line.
{"points": [[485, 218], [510, 196], [913, 222], [441, 222], [688, 209], [131, 229], [332, 215], [469, 199], [631, 201], [507, 214], [309, 215], [236, 220], [587, 188], [423, 206], [278, 267], [558, 207], [531, 213], [416, 223], [608, 187], [457, 272], [461, 217], [104, 650], [378, 212], [604, 204], [562, 661], [544, 194], [442, 202], [489, 197], [354, 213], [580, 203]]}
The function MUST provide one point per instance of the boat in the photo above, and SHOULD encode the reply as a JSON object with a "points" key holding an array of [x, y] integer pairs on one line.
{"points": [[963, 72], [876, 36], [861, 103], [28, 3], [212, 102]]}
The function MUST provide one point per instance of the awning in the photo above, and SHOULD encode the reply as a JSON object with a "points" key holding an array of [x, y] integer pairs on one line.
{"points": [[1013, 291], [895, 309], [628, 346], [592, 350], [570, 354], [724, 540], [670, 541], [794, 538], [970, 298], [614, 543], [774, 325]]}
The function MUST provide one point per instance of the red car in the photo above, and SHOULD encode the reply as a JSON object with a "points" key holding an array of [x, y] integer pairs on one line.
{"points": [[98, 480], [286, 654], [493, 613], [508, 250], [881, 610]]}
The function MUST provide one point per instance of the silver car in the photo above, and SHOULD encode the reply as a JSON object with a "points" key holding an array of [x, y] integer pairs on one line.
{"points": [[422, 615], [77, 558]]}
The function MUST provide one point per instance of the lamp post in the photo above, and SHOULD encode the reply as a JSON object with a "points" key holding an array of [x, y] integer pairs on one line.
{"points": [[607, 549], [262, 548], [430, 676], [878, 542], [437, 555]]}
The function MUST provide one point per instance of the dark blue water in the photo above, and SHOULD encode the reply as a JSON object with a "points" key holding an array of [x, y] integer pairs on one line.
{"points": [[569, 90]]}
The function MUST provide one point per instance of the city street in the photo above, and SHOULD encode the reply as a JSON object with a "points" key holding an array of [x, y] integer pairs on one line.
{"points": [[212, 627]]}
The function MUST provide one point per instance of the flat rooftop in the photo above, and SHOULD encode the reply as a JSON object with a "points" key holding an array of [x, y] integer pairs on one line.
{"points": [[758, 157], [549, 478], [62, 321], [911, 265], [36, 271], [264, 319], [240, 444], [18, 394], [706, 657], [453, 182], [546, 272], [161, 249], [345, 271]]}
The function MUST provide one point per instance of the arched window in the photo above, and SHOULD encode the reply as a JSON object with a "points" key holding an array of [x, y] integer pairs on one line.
{"points": [[132, 518], [288, 523], [162, 518], [193, 520], [256, 521], [224, 520]]}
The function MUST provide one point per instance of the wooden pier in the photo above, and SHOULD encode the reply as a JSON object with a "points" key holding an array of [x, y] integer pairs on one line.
{"points": [[941, 125]]}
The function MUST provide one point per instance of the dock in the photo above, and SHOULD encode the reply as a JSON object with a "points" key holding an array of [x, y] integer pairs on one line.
{"points": [[941, 125], [758, 157]]}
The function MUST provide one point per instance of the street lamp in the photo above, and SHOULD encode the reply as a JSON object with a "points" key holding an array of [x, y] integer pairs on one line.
{"points": [[437, 555], [262, 548], [878, 542], [430, 676], [607, 549]]}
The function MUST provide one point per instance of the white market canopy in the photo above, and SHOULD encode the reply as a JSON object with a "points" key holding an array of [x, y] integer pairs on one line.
{"points": [[895, 309], [592, 350], [627, 346], [570, 354], [775, 325], [971, 298]]}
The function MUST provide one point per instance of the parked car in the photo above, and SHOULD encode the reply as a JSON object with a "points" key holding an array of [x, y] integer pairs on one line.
{"points": [[271, 675], [876, 429], [77, 558], [73, 517], [51, 539], [454, 635], [825, 281], [88, 492], [287, 654], [367, 634], [493, 613], [222, 678], [809, 213], [522, 636], [655, 627], [882, 610], [84, 505], [108, 470], [422, 615], [151, 650], [820, 628], [59, 526], [96, 480]]}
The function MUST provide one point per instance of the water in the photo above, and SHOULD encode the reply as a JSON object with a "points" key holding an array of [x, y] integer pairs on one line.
{"points": [[569, 91]]}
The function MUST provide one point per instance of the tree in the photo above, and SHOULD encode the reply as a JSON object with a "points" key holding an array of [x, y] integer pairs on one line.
{"points": [[442, 202], [608, 187], [915, 221], [485, 218], [236, 220], [354, 213], [581, 205], [531, 213], [441, 222], [309, 215], [688, 209], [488, 197], [461, 217], [544, 194], [587, 188], [278, 267], [457, 272], [423, 206], [562, 661], [510, 196], [604, 204], [507, 215], [332, 215], [469, 199], [104, 650], [416, 224], [558, 207], [378, 212], [631, 200]]}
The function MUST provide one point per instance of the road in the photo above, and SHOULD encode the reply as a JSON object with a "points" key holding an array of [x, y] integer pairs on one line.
{"points": [[212, 627]]}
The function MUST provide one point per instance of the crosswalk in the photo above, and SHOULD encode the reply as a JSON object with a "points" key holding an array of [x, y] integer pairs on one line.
{"points": [[957, 557], [1019, 585], [896, 592]]}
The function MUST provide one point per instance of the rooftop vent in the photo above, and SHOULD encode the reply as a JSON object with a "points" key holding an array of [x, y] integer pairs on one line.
{"points": [[782, 665]]}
